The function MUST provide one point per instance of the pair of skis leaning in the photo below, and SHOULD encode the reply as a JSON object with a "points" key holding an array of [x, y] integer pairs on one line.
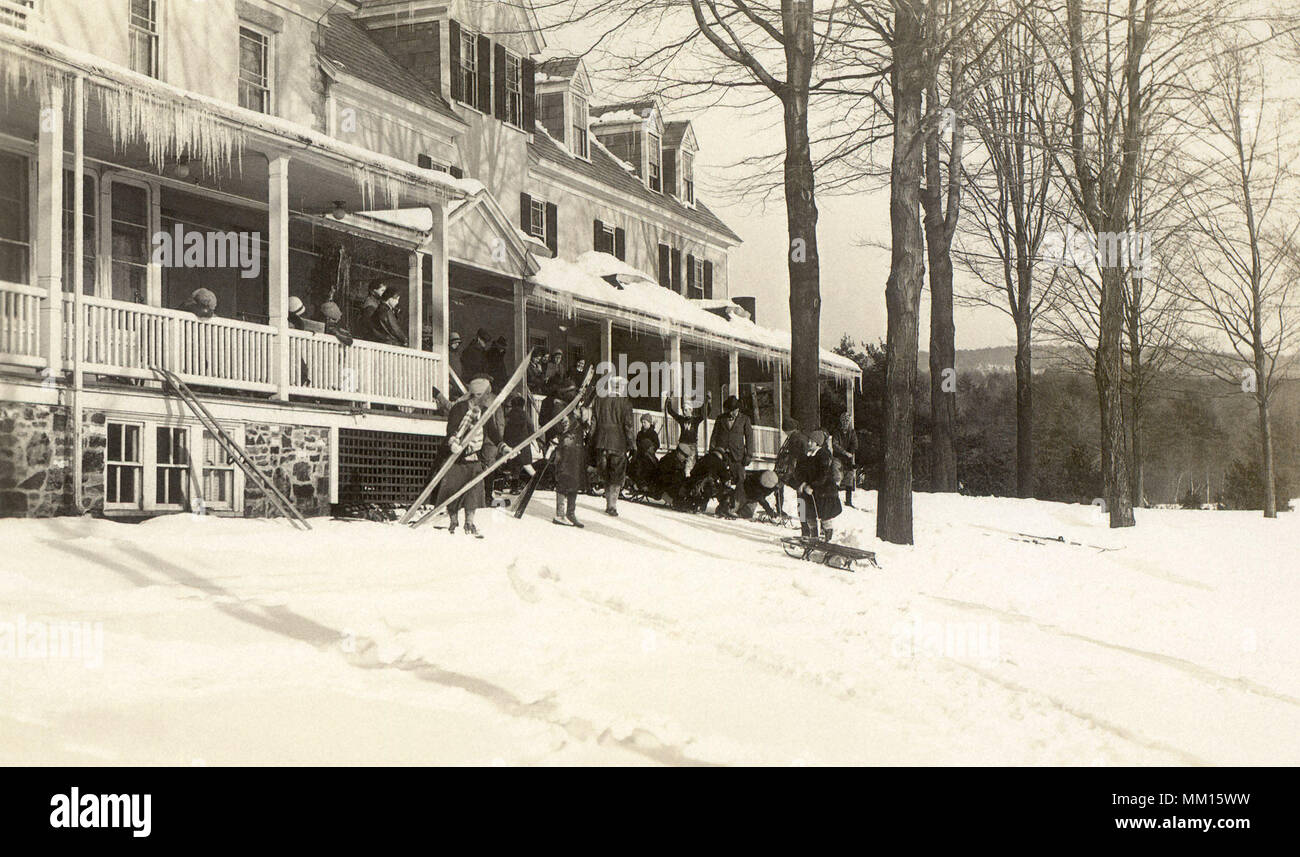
{"points": [[465, 433]]}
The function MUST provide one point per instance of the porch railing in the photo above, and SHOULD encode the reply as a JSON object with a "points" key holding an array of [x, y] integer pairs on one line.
{"points": [[322, 366], [126, 339], [20, 329]]}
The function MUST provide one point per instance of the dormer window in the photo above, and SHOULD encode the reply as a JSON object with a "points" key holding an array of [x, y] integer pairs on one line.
{"points": [[688, 178], [578, 127], [655, 157]]}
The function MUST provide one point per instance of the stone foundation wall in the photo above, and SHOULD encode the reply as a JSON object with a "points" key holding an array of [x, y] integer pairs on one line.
{"points": [[35, 461], [297, 459]]}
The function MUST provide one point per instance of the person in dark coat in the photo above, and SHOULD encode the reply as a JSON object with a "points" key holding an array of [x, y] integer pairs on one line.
{"points": [[643, 467], [536, 377], [555, 374], [553, 404], [366, 320], [474, 357], [570, 470], [733, 435], [688, 424], [496, 361], [792, 451], [759, 485], [519, 425], [383, 322], [333, 322], [453, 358], [671, 477], [819, 497], [480, 448], [844, 442], [613, 434], [579, 371], [711, 477]]}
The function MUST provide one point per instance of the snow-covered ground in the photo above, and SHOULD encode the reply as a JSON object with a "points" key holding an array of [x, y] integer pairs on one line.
{"points": [[655, 638]]}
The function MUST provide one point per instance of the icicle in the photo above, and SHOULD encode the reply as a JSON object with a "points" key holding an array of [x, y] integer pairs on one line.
{"points": [[371, 182], [169, 130]]}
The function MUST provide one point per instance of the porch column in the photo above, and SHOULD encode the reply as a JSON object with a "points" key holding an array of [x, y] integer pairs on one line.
{"points": [[778, 392], [277, 269], [415, 301], [849, 386], [733, 373], [438, 311], [606, 340], [49, 225], [521, 323], [679, 371]]}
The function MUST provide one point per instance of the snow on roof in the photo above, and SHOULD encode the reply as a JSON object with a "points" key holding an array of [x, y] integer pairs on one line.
{"points": [[419, 219], [653, 306]]}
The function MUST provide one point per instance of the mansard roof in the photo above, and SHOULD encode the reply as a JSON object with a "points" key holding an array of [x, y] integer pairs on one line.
{"points": [[347, 44], [607, 170]]}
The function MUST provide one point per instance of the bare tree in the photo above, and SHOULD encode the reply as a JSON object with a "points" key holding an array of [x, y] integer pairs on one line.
{"points": [[1242, 261]]}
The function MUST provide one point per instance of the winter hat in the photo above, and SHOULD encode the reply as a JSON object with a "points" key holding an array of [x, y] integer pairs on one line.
{"points": [[331, 312], [295, 305], [455, 337], [818, 437], [732, 404], [480, 385], [768, 479], [483, 334]]}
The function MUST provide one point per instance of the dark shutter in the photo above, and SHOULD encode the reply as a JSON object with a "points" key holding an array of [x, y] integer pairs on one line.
{"points": [[620, 243], [456, 172], [453, 52], [691, 285], [677, 271], [553, 228], [424, 162], [708, 280], [599, 237], [668, 168], [484, 74], [529, 88], [665, 262], [499, 80], [437, 58], [526, 213]]}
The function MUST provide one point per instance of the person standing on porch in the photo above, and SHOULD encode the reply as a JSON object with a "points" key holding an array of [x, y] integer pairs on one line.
{"points": [[453, 357], [474, 358], [613, 434]]}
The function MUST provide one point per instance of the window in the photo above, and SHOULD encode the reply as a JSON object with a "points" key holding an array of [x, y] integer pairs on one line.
{"points": [[218, 474], [172, 468], [130, 231], [514, 91], [578, 128], [468, 68], [122, 467], [88, 238], [695, 282], [604, 238], [655, 156], [688, 177], [14, 13], [15, 247], [254, 70], [144, 37], [537, 218]]}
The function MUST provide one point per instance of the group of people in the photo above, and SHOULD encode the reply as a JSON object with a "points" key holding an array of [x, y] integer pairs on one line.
{"points": [[484, 356], [817, 466], [547, 373]]}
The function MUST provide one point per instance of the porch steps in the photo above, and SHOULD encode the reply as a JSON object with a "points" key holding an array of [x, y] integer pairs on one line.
{"points": [[233, 449]]}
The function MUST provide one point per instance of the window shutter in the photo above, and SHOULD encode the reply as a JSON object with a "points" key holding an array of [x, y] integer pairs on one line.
{"points": [[456, 172], [677, 271], [553, 228], [599, 233], [437, 57], [620, 243], [424, 162], [499, 80], [484, 74], [665, 262], [708, 280], [526, 213], [453, 52], [529, 70], [690, 276]]}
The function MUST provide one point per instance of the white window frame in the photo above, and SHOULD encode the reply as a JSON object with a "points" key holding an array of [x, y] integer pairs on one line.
{"points": [[140, 466], [150, 31], [104, 282], [90, 211], [607, 228], [579, 122], [204, 467], [514, 90], [468, 68], [655, 162], [687, 170], [28, 185], [268, 71], [185, 469], [537, 218], [697, 277]]}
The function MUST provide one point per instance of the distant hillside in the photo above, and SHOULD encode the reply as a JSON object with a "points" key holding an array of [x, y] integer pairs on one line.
{"points": [[1000, 358]]}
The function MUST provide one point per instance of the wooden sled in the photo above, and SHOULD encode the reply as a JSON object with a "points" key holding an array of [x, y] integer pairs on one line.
{"points": [[831, 554]]}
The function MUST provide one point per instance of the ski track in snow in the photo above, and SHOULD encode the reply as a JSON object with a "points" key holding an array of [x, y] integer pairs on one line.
{"points": [[661, 638]]}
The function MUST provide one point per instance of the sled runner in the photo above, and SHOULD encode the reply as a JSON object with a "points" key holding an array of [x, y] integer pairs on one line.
{"points": [[491, 468], [826, 553], [466, 431]]}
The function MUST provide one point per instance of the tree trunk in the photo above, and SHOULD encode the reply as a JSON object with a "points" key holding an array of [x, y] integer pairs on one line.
{"points": [[903, 288], [1107, 373], [1024, 411], [943, 352], [1266, 456]]}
